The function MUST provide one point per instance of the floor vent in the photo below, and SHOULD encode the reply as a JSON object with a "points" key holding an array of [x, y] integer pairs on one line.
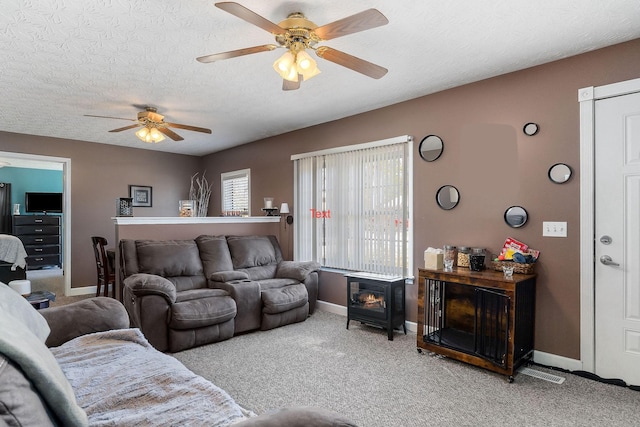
{"points": [[541, 375]]}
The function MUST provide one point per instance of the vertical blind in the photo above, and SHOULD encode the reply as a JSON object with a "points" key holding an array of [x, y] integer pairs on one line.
{"points": [[354, 208]]}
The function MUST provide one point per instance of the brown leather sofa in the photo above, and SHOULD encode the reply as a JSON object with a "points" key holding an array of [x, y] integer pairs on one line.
{"points": [[186, 293]]}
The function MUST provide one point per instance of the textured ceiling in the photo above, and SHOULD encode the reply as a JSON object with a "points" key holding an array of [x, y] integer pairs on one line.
{"points": [[62, 59]]}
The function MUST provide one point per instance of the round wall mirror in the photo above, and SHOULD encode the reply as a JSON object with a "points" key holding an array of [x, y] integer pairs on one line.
{"points": [[530, 129], [515, 216], [447, 197], [431, 147], [560, 173]]}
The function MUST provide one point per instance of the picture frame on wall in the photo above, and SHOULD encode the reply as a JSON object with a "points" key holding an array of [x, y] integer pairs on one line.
{"points": [[141, 195]]}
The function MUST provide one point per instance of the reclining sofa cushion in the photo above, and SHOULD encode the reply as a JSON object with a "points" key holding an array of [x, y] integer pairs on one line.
{"points": [[277, 283], [258, 256], [172, 258], [279, 300], [251, 251], [214, 253], [204, 309]]}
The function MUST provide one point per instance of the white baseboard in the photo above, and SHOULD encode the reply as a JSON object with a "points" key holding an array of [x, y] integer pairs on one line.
{"points": [[86, 290], [332, 308], [342, 311], [555, 361], [546, 359]]}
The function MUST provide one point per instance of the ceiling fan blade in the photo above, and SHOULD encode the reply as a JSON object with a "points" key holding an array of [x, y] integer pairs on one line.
{"points": [[235, 53], [289, 85], [356, 64], [127, 127], [171, 134], [250, 16], [365, 20], [109, 117], [187, 127]]}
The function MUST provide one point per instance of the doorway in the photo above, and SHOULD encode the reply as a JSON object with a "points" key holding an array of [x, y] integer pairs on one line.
{"points": [[43, 162], [610, 207]]}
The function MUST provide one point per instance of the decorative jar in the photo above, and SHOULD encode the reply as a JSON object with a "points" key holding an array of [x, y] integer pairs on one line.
{"points": [[476, 259]]}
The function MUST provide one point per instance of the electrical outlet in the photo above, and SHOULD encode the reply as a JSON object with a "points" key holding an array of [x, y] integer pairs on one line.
{"points": [[554, 229]]}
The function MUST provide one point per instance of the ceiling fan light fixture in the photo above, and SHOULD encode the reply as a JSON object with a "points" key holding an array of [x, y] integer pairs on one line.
{"points": [[306, 75], [142, 133], [305, 62], [150, 134], [156, 135], [284, 64], [290, 65], [306, 65]]}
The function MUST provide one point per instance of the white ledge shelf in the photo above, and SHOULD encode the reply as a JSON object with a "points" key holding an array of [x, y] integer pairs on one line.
{"points": [[129, 220]]}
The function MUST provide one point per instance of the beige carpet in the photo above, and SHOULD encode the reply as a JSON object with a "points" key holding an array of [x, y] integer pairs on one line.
{"points": [[377, 382]]}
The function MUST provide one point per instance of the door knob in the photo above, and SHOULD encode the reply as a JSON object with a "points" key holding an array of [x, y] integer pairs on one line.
{"points": [[606, 260], [606, 240]]}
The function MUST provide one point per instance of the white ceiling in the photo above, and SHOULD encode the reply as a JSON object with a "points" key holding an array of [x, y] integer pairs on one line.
{"points": [[62, 59]]}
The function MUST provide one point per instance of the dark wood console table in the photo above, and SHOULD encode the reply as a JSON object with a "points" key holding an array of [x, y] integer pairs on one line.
{"points": [[479, 318]]}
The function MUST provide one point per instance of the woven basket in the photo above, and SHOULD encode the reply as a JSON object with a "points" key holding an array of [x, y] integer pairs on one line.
{"points": [[518, 267]]}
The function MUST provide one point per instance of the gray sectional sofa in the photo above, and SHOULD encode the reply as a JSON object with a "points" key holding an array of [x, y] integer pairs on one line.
{"points": [[186, 293], [81, 365]]}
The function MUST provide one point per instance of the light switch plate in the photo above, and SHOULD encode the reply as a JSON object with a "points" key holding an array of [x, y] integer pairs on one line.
{"points": [[554, 229]]}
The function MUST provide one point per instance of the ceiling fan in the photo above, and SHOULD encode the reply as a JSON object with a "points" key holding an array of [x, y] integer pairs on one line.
{"points": [[297, 34], [153, 126]]}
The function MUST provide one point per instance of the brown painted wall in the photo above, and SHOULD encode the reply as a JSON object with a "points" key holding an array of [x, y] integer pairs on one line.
{"points": [[99, 175], [489, 159]]}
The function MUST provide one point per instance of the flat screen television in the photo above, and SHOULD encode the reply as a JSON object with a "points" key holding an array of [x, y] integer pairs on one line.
{"points": [[42, 202]]}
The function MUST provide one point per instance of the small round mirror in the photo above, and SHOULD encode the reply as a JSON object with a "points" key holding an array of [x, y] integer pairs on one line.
{"points": [[431, 147], [515, 216], [530, 129], [447, 197], [560, 173]]}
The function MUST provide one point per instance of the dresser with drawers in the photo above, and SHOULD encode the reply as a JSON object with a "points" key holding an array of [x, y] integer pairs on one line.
{"points": [[42, 239]]}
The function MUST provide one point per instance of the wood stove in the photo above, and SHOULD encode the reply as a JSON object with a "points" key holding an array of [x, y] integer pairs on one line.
{"points": [[376, 300]]}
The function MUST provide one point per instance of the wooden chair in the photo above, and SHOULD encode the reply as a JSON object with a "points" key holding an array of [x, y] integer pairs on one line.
{"points": [[106, 273]]}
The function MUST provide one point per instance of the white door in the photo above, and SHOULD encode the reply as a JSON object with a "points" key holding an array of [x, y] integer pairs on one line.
{"points": [[617, 235]]}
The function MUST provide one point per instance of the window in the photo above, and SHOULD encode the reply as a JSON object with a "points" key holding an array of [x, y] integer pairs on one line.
{"points": [[354, 206], [236, 192]]}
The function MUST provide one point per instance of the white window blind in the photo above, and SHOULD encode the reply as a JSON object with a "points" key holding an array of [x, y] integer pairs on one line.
{"points": [[354, 207], [236, 192]]}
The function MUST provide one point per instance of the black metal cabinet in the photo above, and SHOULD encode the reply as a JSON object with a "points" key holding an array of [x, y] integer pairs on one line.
{"points": [[41, 237], [376, 300], [477, 317]]}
